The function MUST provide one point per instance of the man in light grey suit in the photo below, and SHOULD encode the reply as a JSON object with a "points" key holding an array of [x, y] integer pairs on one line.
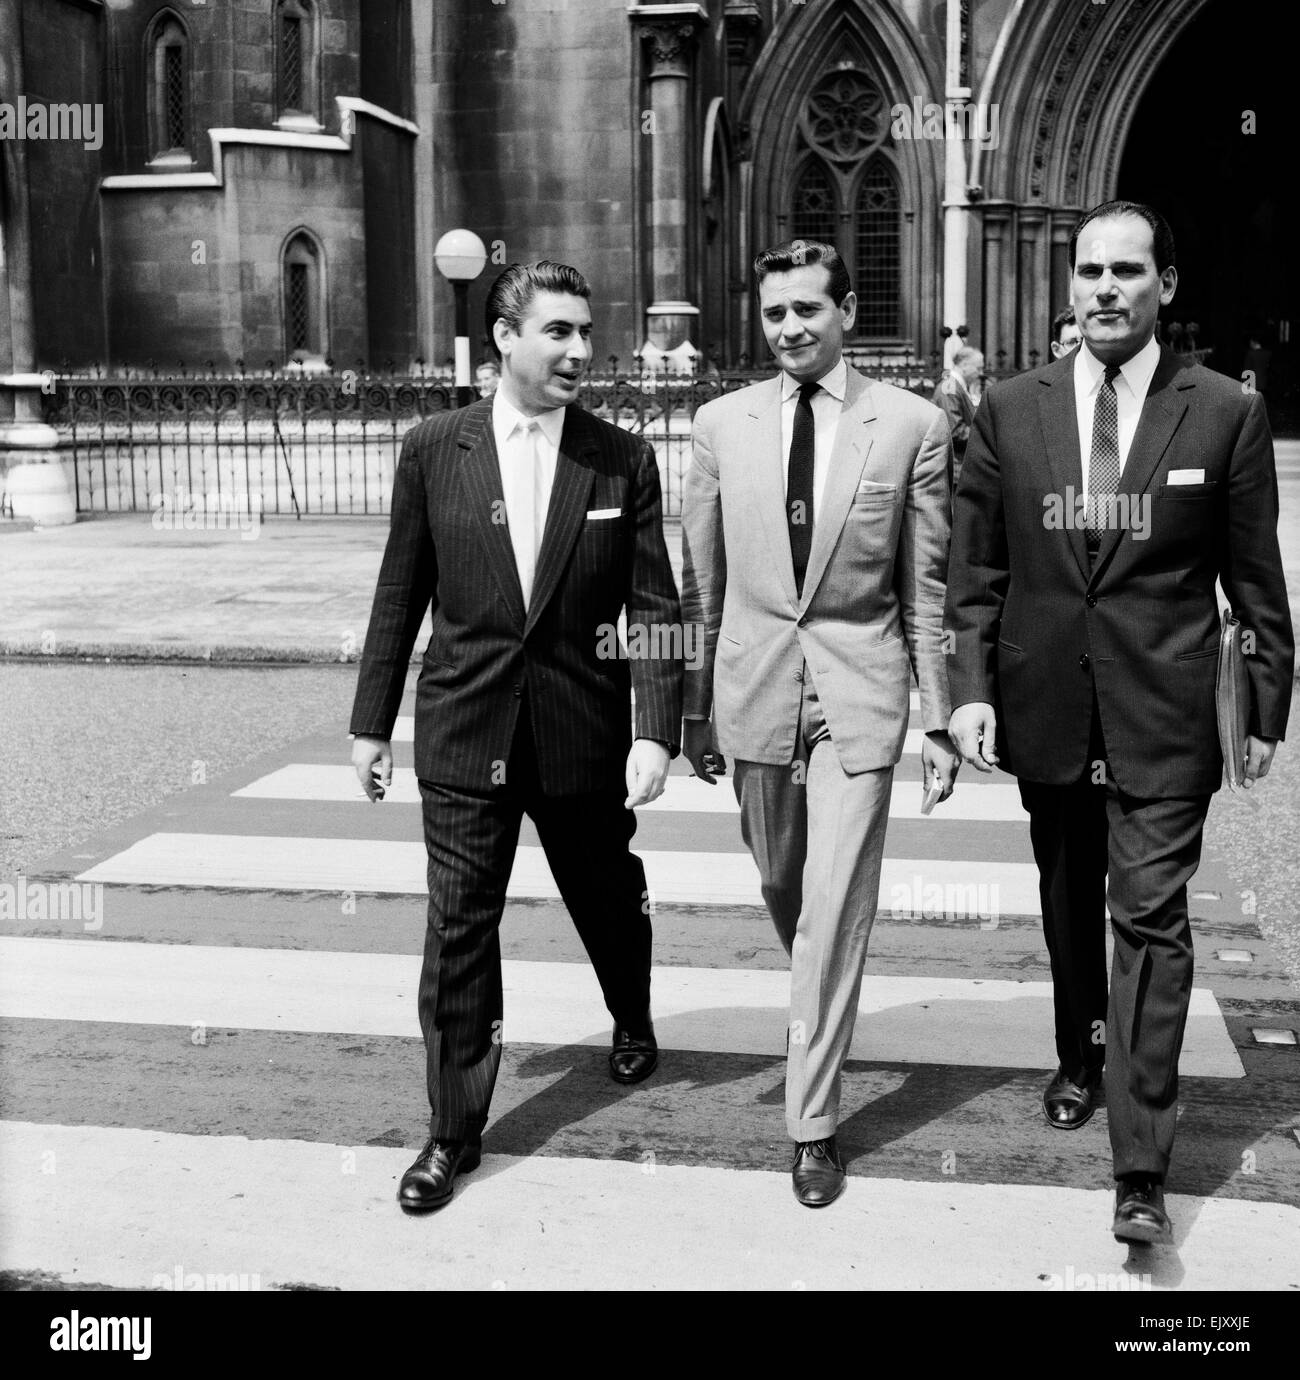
{"points": [[815, 540]]}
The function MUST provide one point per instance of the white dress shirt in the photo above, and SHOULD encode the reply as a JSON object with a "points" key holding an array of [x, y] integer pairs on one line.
{"points": [[527, 456], [826, 405], [1131, 385]]}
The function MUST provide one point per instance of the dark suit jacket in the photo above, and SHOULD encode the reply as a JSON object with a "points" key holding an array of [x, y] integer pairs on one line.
{"points": [[445, 547], [958, 408], [1033, 627]]}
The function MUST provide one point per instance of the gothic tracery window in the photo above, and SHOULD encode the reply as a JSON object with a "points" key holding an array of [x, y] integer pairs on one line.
{"points": [[846, 191]]}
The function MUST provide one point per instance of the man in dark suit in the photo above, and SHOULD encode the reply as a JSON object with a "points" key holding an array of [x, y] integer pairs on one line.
{"points": [[958, 394], [529, 525], [1101, 497]]}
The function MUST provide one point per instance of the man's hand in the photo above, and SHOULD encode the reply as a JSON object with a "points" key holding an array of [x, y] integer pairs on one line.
{"points": [[367, 753], [1259, 757], [973, 729], [647, 771], [700, 748], [939, 759]]}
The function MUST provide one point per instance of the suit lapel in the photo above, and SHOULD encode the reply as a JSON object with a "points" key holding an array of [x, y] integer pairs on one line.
{"points": [[574, 478], [852, 445], [763, 443], [480, 471], [1059, 419], [1162, 410]]}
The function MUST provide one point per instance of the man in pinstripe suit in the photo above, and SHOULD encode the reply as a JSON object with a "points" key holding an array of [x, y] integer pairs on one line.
{"points": [[528, 525]]}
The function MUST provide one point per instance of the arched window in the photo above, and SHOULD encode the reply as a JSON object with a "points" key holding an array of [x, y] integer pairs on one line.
{"points": [[169, 86], [876, 245], [304, 314], [813, 211], [845, 189], [296, 59]]}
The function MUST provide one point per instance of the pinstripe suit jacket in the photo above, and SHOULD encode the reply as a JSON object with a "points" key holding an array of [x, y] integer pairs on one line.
{"points": [[449, 545]]}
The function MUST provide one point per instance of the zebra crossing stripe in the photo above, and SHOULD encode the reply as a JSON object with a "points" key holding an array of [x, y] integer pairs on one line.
{"points": [[962, 888], [989, 1023], [338, 784]]}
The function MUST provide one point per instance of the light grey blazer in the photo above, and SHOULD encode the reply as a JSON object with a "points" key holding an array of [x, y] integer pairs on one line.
{"points": [[872, 607]]}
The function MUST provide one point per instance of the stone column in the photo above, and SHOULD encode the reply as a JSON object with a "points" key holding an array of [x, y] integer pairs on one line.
{"points": [[667, 34], [1035, 318], [38, 481]]}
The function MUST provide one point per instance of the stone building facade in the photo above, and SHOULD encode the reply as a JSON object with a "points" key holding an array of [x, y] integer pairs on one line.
{"points": [[272, 174]]}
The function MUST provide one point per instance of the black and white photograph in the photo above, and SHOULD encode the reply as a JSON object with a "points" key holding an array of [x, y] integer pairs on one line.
{"points": [[647, 648]]}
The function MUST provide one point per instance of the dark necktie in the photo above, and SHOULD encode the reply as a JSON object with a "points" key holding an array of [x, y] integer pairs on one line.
{"points": [[1103, 467], [799, 482]]}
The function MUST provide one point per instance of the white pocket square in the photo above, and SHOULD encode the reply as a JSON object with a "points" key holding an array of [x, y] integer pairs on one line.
{"points": [[867, 486], [596, 514], [1186, 477]]}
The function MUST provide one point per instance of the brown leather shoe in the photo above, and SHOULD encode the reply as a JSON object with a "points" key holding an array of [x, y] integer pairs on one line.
{"points": [[1140, 1210], [427, 1184], [633, 1057], [818, 1172], [1067, 1105]]}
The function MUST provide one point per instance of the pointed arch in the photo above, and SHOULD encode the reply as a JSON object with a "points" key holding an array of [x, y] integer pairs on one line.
{"points": [[167, 58], [825, 84], [303, 297], [297, 61]]}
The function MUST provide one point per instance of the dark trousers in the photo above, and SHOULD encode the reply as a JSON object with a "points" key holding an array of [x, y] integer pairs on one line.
{"points": [[1095, 843], [471, 837]]}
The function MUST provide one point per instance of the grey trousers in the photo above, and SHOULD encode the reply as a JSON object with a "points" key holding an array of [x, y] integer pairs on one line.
{"points": [[817, 835]]}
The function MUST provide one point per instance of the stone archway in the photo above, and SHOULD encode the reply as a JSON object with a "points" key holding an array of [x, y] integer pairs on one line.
{"points": [[1068, 86], [801, 51]]}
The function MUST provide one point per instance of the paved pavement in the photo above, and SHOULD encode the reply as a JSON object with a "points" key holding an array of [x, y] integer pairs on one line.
{"points": [[234, 1012], [282, 591]]}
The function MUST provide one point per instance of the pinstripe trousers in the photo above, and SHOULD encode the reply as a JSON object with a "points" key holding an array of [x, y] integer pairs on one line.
{"points": [[471, 838]]}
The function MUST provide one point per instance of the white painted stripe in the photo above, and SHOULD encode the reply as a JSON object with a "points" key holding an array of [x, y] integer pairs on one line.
{"points": [[546, 1222], [387, 866], [543, 1222], [911, 1020], [339, 784]]}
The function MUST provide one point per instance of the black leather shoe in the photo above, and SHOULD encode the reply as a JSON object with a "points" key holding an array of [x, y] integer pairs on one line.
{"points": [[427, 1183], [1140, 1210], [633, 1057], [818, 1172], [1067, 1105]]}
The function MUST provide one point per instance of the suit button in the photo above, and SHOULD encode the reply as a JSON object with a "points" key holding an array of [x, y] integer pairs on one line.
{"points": [[518, 690], [798, 675], [1084, 661], [1091, 601]]}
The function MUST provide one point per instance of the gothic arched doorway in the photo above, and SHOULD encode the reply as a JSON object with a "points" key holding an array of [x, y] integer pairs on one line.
{"points": [[1228, 194]]}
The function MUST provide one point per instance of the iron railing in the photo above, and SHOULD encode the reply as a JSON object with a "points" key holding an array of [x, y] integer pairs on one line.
{"points": [[297, 440]]}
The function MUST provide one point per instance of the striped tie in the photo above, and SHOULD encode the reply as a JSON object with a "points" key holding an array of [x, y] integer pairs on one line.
{"points": [[1103, 468]]}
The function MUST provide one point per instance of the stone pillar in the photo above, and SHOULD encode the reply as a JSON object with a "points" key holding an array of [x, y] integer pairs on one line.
{"points": [[37, 481], [667, 34], [1035, 317], [956, 206], [999, 331]]}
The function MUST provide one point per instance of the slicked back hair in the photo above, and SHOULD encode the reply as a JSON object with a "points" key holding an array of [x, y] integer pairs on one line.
{"points": [[1062, 319], [1162, 237], [512, 293], [799, 253]]}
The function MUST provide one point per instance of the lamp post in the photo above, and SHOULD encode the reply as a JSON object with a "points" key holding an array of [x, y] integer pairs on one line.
{"points": [[460, 256]]}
